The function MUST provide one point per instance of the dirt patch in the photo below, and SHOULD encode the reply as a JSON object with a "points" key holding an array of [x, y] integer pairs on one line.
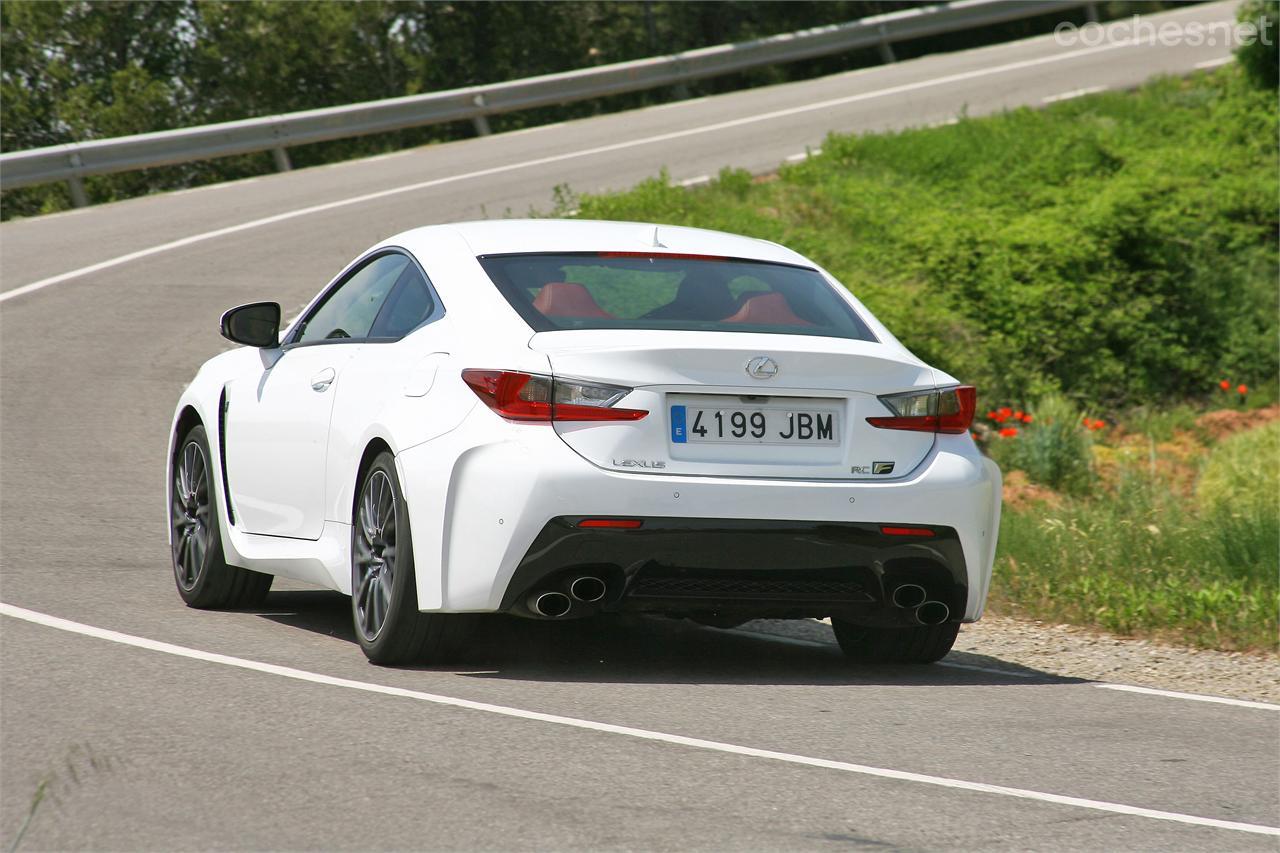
{"points": [[1224, 422], [1020, 493]]}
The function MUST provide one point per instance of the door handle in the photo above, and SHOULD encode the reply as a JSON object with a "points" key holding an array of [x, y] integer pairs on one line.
{"points": [[322, 380]]}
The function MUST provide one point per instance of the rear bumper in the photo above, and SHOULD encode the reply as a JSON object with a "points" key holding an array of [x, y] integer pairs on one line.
{"points": [[477, 519], [748, 568]]}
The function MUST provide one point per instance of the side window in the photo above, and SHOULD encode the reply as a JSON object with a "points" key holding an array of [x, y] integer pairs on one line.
{"points": [[350, 309], [407, 308]]}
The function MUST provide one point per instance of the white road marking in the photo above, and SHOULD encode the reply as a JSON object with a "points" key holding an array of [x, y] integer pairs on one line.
{"points": [[1198, 697], [558, 158], [946, 122], [804, 155], [1213, 63], [626, 731], [1074, 93], [693, 182]]}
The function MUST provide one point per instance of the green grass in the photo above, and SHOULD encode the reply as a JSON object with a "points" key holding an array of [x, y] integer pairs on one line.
{"points": [[1242, 475], [1119, 248], [1144, 559]]}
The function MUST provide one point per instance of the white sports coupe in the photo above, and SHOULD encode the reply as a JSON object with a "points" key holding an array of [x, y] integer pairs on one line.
{"points": [[555, 419]]}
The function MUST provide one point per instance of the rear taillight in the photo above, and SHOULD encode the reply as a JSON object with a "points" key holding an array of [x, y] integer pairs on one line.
{"points": [[948, 410], [532, 397]]}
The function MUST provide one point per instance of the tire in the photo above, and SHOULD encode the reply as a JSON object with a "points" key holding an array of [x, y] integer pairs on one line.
{"points": [[200, 570], [919, 644], [384, 599]]}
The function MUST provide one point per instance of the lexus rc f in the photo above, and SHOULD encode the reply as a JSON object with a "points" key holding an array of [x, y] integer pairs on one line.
{"points": [[555, 419]]}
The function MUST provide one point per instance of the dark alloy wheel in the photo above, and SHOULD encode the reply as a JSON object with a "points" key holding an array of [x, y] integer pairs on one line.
{"points": [[190, 514], [204, 579], [384, 600], [374, 555]]}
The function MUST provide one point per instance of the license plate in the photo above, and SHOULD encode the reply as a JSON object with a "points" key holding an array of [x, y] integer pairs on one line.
{"points": [[752, 425]]}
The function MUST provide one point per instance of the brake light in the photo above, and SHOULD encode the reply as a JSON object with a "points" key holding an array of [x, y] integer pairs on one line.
{"points": [[542, 399], [945, 410], [661, 256]]}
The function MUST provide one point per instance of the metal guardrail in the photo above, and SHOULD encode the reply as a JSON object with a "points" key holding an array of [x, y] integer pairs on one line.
{"points": [[74, 161]]}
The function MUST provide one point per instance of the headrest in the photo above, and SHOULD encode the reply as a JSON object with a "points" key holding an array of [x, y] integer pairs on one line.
{"points": [[767, 309], [567, 299]]}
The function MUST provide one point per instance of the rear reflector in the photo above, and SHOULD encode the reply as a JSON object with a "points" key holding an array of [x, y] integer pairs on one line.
{"points": [[619, 523], [907, 531], [946, 410], [531, 397]]}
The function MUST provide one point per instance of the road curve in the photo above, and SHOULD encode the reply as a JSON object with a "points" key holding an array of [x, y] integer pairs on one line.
{"points": [[267, 729]]}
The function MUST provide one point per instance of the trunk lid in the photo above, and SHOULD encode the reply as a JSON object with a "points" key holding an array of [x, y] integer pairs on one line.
{"points": [[709, 416]]}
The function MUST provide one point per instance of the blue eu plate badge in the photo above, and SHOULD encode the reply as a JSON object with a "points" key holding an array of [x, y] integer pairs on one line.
{"points": [[678, 434]]}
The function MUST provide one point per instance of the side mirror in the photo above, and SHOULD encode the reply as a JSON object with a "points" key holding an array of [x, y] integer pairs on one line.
{"points": [[255, 325]]}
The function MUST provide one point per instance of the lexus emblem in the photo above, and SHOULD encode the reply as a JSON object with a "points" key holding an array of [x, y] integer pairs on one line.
{"points": [[762, 367]]}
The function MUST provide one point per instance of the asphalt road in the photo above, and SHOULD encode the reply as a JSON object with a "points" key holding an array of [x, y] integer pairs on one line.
{"points": [[268, 729]]}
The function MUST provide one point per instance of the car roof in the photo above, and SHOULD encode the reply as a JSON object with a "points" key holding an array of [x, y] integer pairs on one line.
{"points": [[519, 236]]}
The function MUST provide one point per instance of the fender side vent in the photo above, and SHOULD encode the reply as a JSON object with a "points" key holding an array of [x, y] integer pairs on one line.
{"points": [[223, 406]]}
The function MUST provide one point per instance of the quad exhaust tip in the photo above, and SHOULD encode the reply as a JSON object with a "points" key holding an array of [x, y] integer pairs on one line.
{"points": [[550, 604], [588, 589], [909, 595], [932, 613]]}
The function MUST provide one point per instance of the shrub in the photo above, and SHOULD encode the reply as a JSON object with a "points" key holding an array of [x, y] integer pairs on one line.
{"points": [[1261, 59], [1053, 449]]}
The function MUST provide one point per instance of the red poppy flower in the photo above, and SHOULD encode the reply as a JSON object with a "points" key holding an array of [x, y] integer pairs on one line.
{"points": [[1018, 415], [991, 415], [1000, 419], [1006, 411], [974, 435], [1026, 419], [1099, 425], [1008, 432], [1225, 385], [1243, 389], [1085, 420]]}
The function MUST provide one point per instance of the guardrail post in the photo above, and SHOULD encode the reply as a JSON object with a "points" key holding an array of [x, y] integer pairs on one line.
{"points": [[281, 156], [1091, 12], [480, 122], [79, 198], [886, 49]]}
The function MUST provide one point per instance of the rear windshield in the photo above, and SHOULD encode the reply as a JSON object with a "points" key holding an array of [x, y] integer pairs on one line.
{"points": [[634, 290]]}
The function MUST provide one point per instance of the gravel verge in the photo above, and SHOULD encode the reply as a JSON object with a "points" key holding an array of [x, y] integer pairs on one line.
{"points": [[1069, 651]]}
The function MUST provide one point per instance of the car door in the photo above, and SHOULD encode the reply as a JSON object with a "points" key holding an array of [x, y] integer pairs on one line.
{"points": [[277, 418], [388, 383]]}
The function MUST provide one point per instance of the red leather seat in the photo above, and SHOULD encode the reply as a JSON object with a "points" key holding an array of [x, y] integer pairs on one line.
{"points": [[567, 299], [767, 309]]}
